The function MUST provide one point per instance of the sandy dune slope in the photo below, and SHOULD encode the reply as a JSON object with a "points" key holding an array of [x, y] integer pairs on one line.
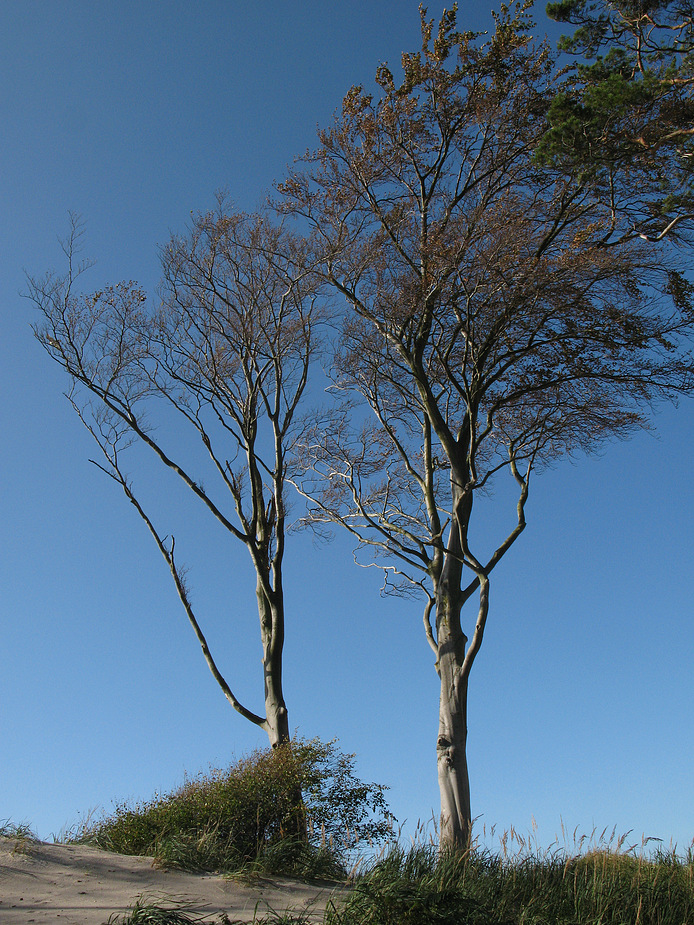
{"points": [[78, 885]]}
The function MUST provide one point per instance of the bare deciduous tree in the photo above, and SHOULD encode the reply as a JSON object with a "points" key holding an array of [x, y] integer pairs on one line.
{"points": [[228, 350], [498, 318]]}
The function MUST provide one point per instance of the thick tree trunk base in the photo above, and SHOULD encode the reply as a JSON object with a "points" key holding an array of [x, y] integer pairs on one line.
{"points": [[454, 787], [454, 782]]}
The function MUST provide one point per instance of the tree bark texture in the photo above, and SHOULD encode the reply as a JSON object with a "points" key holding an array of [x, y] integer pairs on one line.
{"points": [[454, 783], [454, 660], [272, 636], [451, 741]]}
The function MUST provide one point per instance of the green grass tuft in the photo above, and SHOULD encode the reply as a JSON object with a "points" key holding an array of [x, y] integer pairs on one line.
{"points": [[17, 830], [293, 857], [147, 912]]}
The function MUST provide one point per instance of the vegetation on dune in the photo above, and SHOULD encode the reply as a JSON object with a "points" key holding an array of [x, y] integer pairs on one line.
{"points": [[146, 912], [420, 886], [478, 888], [10, 829], [245, 817], [235, 821]]}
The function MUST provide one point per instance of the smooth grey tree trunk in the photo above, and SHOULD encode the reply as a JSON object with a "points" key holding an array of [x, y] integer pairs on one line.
{"points": [[453, 666], [272, 635], [451, 744]]}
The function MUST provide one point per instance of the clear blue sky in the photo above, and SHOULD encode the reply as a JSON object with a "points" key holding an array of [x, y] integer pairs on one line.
{"points": [[133, 114]]}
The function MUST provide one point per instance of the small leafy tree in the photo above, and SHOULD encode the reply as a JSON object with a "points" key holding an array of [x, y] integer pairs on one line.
{"points": [[228, 349], [500, 315], [341, 808]]}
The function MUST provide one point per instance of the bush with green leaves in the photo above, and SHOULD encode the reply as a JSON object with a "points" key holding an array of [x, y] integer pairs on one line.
{"points": [[299, 807], [340, 809]]}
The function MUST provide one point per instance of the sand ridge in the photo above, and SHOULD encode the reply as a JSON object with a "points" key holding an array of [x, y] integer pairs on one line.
{"points": [[82, 885]]}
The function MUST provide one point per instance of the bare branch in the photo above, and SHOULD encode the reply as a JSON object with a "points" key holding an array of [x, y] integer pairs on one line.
{"points": [[228, 351]]}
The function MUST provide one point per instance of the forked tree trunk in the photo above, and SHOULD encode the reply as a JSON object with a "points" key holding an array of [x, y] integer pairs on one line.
{"points": [[455, 658], [272, 635], [276, 714]]}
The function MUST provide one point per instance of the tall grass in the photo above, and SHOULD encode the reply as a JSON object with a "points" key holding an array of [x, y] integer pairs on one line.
{"points": [[478, 887], [420, 886]]}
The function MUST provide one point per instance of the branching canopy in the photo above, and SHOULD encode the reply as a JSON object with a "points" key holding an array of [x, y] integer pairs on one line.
{"points": [[228, 350], [490, 326]]}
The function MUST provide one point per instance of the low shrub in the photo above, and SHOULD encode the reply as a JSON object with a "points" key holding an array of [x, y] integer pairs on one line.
{"points": [[298, 809]]}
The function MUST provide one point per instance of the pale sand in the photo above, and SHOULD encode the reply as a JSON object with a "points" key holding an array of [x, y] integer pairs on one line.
{"points": [[78, 885]]}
